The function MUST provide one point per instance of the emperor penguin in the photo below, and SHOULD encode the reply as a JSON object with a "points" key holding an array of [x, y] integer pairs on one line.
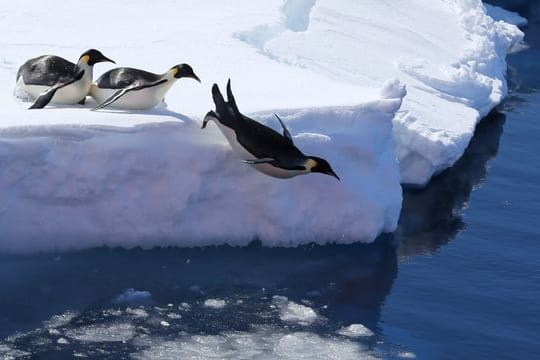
{"points": [[260, 146], [50, 78], [128, 88]]}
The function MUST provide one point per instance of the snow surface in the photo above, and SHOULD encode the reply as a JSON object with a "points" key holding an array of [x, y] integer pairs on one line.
{"points": [[71, 178]]}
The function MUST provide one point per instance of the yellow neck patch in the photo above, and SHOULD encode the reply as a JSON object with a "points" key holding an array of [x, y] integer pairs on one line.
{"points": [[175, 71], [310, 164], [86, 58]]}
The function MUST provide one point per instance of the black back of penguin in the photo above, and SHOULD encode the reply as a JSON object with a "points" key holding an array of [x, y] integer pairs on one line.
{"points": [[46, 70], [120, 78], [258, 139]]}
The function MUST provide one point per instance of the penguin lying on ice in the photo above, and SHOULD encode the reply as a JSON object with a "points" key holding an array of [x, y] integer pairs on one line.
{"points": [[128, 88], [260, 146], [50, 78]]}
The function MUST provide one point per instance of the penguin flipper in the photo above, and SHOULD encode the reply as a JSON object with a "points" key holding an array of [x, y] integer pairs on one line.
{"points": [[118, 94], [286, 133], [45, 97], [258, 161]]}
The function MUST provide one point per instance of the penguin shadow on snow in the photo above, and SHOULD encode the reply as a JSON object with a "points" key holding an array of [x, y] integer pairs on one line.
{"points": [[160, 110]]}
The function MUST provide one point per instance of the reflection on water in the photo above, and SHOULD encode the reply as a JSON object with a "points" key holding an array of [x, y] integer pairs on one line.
{"points": [[433, 216], [343, 284]]}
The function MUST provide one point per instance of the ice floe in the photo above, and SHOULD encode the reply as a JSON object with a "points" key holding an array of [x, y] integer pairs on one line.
{"points": [[387, 93]]}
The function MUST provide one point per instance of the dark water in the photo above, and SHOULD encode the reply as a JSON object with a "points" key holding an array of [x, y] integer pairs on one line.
{"points": [[460, 279]]}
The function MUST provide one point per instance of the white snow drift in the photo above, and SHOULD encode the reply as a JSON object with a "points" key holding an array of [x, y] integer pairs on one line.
{"points": [[71, 178]]}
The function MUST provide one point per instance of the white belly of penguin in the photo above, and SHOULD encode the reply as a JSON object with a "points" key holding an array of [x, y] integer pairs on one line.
{"points": [[133, 100], [67, 95], [242, 153], [278, 172]]}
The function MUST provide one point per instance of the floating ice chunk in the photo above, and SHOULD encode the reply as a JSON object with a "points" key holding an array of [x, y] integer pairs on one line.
{"points": [[500, 14], [102, 332], [60, 320], [174, 316], [290, 311], [132, 296], [62, 341], [164, 323], [407, 355], [137, 312], [264, 343], [72, 172], [112, 312], [355, 330], [8, 352], [215, 303]]}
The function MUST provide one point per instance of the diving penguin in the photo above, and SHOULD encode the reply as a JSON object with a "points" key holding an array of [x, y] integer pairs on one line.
{"points": [[128, 88], [260, 146], [50, 78]]}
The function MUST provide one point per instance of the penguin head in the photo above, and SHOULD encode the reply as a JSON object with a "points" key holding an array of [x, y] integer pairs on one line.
{"points": [[211, 115], [184, 70], [93, 56], [317, 164]]}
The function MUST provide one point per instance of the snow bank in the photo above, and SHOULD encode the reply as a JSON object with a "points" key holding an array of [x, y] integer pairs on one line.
{"points": [[70, 178], [70, 187], [449, 53]]}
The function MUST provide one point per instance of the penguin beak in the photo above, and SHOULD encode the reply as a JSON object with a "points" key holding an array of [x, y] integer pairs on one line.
{"points": [[331, 173], [195, 77], [106, 59]]}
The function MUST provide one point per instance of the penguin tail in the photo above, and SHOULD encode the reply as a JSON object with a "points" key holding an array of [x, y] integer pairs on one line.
{"points": [[219, 101], [231, 100]]}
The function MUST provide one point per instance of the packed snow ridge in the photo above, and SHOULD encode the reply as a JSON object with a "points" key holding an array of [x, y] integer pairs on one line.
{"points": [[337, 72]]}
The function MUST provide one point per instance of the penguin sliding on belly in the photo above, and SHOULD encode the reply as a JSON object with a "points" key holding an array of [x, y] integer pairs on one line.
{"points": [[260, 146], [52, 79], [134, 89]]}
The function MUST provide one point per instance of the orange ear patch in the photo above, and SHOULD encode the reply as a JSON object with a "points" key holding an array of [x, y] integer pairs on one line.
{"points": [[86, 58]]}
